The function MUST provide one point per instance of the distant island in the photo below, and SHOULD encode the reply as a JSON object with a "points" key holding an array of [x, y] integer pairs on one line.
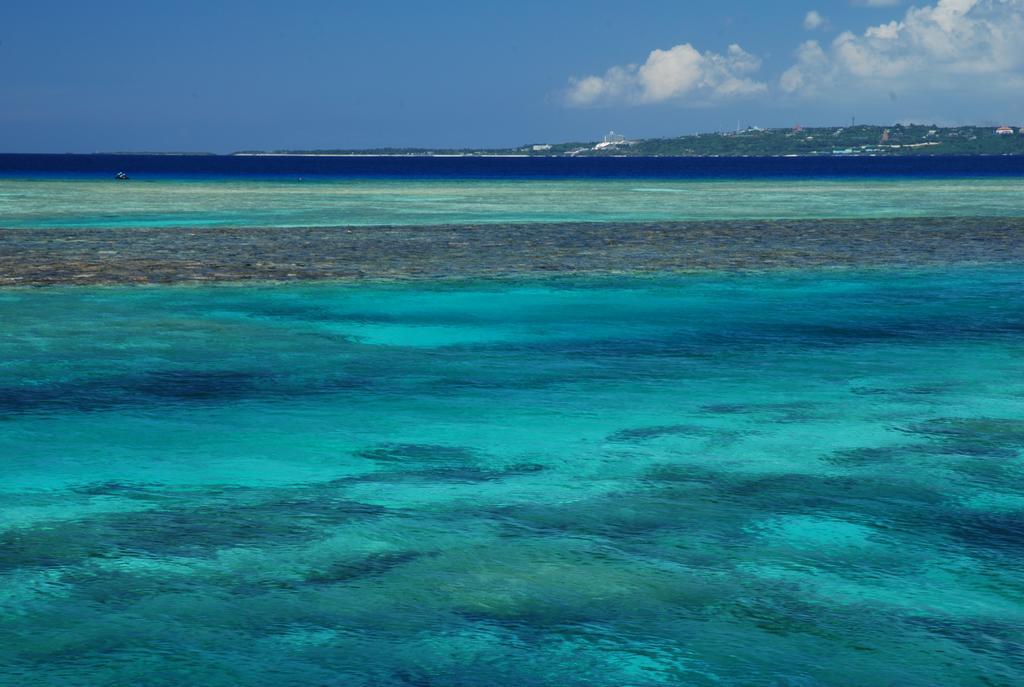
{"points": [[860, 140]]}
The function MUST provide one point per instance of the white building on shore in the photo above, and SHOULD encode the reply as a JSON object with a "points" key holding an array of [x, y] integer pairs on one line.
{"points": [[612, 139]]}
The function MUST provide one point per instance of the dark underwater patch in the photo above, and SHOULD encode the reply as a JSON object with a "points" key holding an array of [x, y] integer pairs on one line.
{"points": [[115, 488], [699, 507], [117, 589], [369, 566], [870, 391], [203, 531], [791, 411], [455, 473], [637, 434], [867, 455], [783, 615], [313, 313], [85, 396], [218, 522], [161, 387], [617, 516], [682, 474], [669, 346], [987, 637], [996, 532], [727, 503], [812, 493], [419, 453], [112, 392], [923, 390], [54, 545], [977, 437], [839, 335], [197, 385], [464, 473]]}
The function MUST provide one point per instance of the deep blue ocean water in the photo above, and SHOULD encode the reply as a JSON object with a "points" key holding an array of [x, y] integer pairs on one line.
{"points": [[269, 166], [777, 477]]}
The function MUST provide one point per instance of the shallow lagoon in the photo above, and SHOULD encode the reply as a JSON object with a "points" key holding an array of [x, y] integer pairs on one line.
{"points": [[175, 202], [805, 477]]}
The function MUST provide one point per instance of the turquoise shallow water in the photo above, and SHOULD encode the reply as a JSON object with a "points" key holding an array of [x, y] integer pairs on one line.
{"points": [[803, 478], [84, 202]]}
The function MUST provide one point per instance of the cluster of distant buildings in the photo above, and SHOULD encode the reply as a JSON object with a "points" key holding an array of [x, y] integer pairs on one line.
{"points": [[882, 147], [885, 144], [610, 141]]}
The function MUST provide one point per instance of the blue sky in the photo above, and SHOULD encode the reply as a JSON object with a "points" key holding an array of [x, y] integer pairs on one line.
{"points": [[222, 76]]}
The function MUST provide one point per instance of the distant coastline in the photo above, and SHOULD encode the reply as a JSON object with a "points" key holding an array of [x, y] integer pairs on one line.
{"points": [[424, 154], [861, 140]]}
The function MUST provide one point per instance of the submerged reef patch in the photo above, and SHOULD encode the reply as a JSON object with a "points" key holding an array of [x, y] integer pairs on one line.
{"points": [[31, 256]]}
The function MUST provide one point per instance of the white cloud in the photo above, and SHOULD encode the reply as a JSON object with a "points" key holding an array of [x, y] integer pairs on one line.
{"points": [[812, 63], [814, 20], [953, 50], [943, 46], [679, 73]]}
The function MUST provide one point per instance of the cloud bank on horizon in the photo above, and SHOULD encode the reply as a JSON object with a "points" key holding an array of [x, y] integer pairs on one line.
{"points": [[681, 71], [941, 47]]}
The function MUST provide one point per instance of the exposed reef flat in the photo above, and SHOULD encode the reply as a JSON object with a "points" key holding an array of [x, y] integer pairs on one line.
{"points": [[39, 257]]}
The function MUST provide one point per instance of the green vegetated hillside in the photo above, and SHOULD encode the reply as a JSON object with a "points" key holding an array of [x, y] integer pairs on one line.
{"points": [[854, 140], [863, 140], [914, 139]]}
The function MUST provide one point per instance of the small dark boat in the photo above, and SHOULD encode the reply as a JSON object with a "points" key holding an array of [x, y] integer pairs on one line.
{"points": [[121, 176]]}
